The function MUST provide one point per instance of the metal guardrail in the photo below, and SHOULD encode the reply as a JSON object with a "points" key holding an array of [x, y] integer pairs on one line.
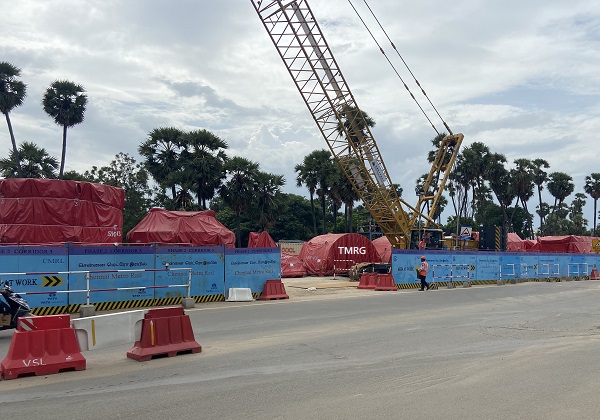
{"points": [[88, 274]]}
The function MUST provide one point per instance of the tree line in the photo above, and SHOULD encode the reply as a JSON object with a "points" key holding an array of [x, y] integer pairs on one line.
{"points": [[191, 170]]}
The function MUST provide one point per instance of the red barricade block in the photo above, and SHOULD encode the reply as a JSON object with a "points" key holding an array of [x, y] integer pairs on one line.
{"points": [[372, 280], [363, 283], [594, 275], [42, 345], [274, 289], [385, 282], [165, 331]]}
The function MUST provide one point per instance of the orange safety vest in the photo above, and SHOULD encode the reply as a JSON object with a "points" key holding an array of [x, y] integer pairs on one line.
{"points": [[424, 268]]}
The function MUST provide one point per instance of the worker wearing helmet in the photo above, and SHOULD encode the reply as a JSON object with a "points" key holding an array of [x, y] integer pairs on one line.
{"points": [[422, 273]]}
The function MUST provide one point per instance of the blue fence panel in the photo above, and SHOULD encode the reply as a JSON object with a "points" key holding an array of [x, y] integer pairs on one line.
{"points": [[106, 261], [251, 267], [488, 266], [510, 266], [549, 266], [464, 266], [404, 264], [208, 270], [38, 259], [529, 266]]}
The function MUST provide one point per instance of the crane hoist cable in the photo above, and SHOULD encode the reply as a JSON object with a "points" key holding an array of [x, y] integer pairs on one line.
{"points": [[405, 64]]}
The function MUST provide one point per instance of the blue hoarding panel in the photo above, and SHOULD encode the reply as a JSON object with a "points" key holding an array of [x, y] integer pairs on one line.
{"points": [[48, 265], [208, 270], [549, 266], [488, 266], [529, 266], [251, 267], [112, 267], [464, 266]]}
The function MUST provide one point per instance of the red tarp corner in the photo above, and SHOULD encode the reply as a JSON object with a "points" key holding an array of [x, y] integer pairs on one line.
{"points": [[384, 248], [291, 266]]}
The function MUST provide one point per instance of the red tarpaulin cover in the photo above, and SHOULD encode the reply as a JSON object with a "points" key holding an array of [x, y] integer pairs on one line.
{"points": [[291, 266], [571, 244], [199, 228], [515, 243], [261, 240], [344, 250], [384, 248], [39, 211]]}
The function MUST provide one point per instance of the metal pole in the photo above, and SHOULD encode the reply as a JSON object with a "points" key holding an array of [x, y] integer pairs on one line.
{"points": [[189, 283], [87, 287]]}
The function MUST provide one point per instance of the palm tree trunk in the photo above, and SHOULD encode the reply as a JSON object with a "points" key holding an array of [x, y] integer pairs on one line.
{"points": [[324, 215], [541, 214], [64, 152], [238, 228], [595, 215], [351, 218], [314, 216], [14, 146]]}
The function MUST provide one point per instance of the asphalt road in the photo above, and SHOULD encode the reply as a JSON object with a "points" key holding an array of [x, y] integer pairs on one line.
{"points": [[527, 351]]}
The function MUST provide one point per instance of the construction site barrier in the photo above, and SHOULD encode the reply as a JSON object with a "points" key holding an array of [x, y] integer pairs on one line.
{"points": [[594, 275], [449, 279], [100, 331], [240, 294], [88, 274], [550, 271], [577, 270], [274, 289], [43, 345], [165, 331], [508, 272], [385, 282], [342, 266]]}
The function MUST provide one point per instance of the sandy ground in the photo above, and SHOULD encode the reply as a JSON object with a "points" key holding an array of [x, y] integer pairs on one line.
{"points": [[319, 286]]}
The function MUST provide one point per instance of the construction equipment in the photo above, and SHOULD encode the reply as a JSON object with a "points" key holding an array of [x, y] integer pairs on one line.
{"points": [[310, 62]]}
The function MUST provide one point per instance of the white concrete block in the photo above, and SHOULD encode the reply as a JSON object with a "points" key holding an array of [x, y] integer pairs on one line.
{"points": [[100, 331], [239, 294]]}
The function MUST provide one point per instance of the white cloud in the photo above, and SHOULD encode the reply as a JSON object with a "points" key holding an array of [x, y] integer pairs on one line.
{"points": [[519, 76]]}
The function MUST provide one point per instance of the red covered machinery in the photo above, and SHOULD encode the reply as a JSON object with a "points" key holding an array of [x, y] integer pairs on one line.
{"points": [[42, 211]]}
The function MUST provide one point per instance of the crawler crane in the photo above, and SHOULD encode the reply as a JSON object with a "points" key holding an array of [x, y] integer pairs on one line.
{"points": [[301, 45]]}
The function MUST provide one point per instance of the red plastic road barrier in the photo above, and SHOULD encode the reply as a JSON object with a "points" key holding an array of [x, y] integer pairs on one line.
{"points": [[386, 282], [165, 331], [42, 346], [274, 289], [594, 275], [363, 283], [372, 281]]}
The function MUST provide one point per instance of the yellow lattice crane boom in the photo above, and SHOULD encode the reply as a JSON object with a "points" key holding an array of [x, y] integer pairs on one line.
{"points": [[317, 76]]}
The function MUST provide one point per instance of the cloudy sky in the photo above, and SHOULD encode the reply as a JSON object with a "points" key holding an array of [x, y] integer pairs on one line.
{"points": [[522, 77]]}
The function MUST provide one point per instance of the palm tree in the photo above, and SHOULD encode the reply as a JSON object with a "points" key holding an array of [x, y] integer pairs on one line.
{"points": [[65, 101], [592, 188], [522, 178], [355, 122], [539, 178], [162, 151], [30, 161], [314, 172], [12, 95], [560, 185], [268, 193], [203, 160], [238, 190]]}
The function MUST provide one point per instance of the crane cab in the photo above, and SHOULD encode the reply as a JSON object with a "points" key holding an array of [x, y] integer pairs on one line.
{"points": [[427, 238]]}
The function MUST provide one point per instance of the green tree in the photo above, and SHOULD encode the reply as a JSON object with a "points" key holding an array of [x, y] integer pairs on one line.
{"points": [[238, 190], [592, 188], [30, 161], [65, 102], [12, 95], [560, 186], [307, 175], [162, 150], [268, 196], [124, 172], [539, 178], [355, 123], [522, 178], [203, 158], [316, 169]]}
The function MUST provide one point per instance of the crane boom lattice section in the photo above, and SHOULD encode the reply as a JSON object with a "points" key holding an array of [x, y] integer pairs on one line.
{"points": [[309, 60]]}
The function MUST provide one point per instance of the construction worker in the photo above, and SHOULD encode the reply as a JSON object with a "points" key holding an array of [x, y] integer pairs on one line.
{"points": [[422, 273]]}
